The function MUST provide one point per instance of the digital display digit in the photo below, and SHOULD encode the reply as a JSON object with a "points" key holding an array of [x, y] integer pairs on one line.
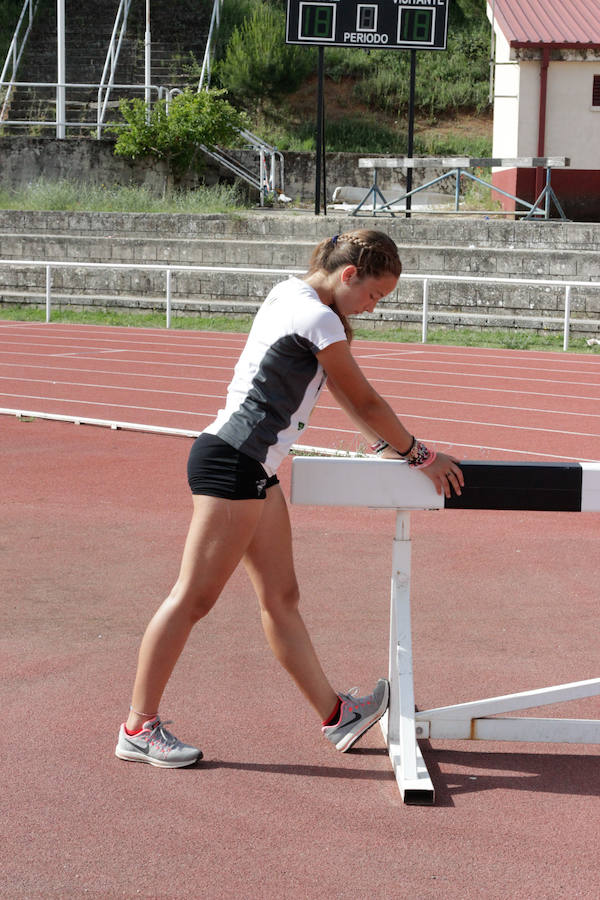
{"points": [[416, 25], [366, 17], [317, 21]]}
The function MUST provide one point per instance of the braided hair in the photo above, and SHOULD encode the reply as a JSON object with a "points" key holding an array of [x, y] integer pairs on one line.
{"points": [[372, 252]]}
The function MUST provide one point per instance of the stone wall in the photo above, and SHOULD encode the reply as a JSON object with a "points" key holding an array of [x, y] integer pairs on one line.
{"points": [[25, 159]]}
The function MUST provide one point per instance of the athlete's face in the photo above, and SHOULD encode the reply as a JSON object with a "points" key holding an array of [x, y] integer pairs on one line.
{"points": [[356, 295]]}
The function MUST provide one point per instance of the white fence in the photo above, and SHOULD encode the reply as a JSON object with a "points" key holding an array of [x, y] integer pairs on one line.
{"points": [[168, 270]]}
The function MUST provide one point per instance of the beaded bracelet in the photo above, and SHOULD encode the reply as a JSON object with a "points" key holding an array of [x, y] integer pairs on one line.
{"points": [[421, 456], [379, 446]]}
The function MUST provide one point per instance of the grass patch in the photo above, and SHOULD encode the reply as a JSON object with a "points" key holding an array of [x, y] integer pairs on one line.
{"points": [[23, 313], [64, 195], [504, 339]]}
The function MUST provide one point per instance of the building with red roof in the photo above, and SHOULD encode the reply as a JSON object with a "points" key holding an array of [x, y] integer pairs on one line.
{"points": [[547, 98]]}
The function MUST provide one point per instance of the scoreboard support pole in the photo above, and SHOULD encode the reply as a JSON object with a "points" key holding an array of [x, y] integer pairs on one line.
{"points": [[320, 142], [390, 484]]}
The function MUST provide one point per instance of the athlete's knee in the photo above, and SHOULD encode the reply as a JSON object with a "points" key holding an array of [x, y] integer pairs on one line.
{"points": [[193, 602], [282, 601]]}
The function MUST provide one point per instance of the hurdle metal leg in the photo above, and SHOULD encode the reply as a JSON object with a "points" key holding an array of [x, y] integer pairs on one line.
{"points": [[398, 725], [402, 727]]}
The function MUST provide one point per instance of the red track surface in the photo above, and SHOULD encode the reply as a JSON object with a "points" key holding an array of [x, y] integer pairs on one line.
{"points": [[479, 402], [92, 527]]}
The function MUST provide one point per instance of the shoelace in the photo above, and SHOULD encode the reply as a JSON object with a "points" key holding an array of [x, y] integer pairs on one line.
{"points": [[353, 692], [166, 740]]}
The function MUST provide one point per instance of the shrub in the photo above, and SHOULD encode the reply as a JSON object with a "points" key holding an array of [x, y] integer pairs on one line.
{"points": [[176, 134]]}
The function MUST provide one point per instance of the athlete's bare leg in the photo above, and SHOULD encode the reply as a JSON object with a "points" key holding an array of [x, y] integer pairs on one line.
{"points": [[269, 563]]}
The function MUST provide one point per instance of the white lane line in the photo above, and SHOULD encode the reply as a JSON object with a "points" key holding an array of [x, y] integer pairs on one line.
{"points": [[434, 384], [129, 348], [114, 387], [460, 402], [477, 375], [159, 429], [157, 409], [540, 356], [167, 338], [174, 393], [136, 347], [112, 372], [141, 362], [501, 369], [133, 353], [399, 380], [465, 422], [396, 354]]}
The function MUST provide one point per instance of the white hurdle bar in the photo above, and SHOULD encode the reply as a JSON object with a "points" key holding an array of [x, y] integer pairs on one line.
{"points": [[391, 484]]}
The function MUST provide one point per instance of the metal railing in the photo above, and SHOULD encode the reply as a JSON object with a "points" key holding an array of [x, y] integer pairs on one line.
{"points": [[110, 64], [468, 279], [15, 51], [169, 269], [271, 176], [55, 122], [215, 20]]}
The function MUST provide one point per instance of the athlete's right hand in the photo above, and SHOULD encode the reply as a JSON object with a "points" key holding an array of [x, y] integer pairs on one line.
{"points": [[446, 474]]}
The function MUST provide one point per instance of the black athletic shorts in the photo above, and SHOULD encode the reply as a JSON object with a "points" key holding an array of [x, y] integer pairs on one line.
{"points": [[219, 470]]}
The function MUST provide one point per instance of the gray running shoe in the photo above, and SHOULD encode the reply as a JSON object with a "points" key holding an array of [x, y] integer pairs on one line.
{"points": [[357, 715], [156, 746]]}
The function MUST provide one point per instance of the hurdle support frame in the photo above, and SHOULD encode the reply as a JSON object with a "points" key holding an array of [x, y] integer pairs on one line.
{"points": [[391, 484]]}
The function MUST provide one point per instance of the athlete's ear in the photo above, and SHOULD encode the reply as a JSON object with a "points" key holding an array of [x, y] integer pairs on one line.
{"points": [[348, 273]]}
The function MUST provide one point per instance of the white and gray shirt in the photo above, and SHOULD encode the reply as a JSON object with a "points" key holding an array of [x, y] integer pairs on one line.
{"points": [[278, 379]]}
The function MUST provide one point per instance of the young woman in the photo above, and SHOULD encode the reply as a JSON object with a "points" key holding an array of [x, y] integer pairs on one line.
{"points": [[300, 338]]}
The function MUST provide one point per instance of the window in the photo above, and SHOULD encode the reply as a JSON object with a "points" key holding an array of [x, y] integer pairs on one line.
{"points": [[596, 91]]}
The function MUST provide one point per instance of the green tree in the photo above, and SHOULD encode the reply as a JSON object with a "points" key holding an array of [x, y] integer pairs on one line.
{"points": [[258, 64], [177, 132]]}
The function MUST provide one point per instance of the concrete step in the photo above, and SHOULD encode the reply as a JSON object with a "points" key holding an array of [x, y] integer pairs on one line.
{"points": [[263, 241], [541, 263], [211, 286], [279, 225]]}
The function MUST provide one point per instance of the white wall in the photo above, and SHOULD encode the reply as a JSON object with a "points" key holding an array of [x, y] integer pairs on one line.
{"points": [[529, 108], [572, 125], [506, 102]]}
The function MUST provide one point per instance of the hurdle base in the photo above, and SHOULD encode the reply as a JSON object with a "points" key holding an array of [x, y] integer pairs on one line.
{"points": [[417, 791], [482, 720]]}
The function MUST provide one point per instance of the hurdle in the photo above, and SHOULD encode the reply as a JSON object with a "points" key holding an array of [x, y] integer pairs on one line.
{"points": [[392, 484]]}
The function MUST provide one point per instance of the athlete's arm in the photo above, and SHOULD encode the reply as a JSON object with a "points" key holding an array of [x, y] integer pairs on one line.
{"points": [[359, 399], [370, 436], [364, 405]]}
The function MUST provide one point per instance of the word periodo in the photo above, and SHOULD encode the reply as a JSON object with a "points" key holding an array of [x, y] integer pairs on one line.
{"points": [[362, 37]]}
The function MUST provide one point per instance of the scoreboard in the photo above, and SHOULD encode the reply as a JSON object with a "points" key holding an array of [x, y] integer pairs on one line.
{"points": [[385, 24]]}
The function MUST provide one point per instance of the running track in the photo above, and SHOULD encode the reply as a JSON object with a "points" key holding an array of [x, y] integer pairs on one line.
{"points": [[477, 403], [89, 544]]}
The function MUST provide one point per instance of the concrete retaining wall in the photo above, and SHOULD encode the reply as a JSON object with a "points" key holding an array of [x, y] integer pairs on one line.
{"points": [[25, 159], [284, 240]]}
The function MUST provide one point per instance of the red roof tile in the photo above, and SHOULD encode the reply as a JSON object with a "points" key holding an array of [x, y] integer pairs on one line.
{"points": [[558, 22]]}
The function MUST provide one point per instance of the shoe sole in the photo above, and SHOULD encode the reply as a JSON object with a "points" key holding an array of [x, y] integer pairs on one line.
{"points": [[134, 757], [350, 739]]}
